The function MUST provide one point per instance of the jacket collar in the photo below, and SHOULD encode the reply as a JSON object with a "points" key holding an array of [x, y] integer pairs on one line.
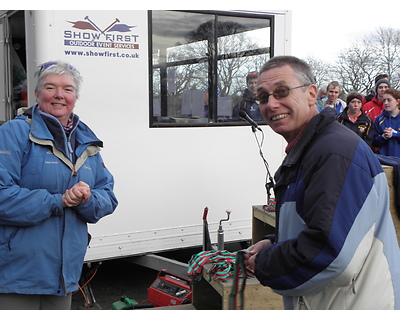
{"points": [[45, 126], [377, 101], [314, 127], [344, 115]]}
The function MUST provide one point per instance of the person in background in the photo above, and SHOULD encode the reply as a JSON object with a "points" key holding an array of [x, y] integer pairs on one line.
{"points": [[321, 98], [332, 101], [206, 101], [374, 107], [336, 246], [53, 182], [372, 92], [354, 118], [322, 92], [249, 102], [387, 125]]}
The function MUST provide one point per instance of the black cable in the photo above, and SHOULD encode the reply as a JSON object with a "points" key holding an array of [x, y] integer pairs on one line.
{"points": [[269, 182]]}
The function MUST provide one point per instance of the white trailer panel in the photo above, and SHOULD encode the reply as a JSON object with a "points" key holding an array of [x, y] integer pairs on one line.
{"points": [[164, 177]]}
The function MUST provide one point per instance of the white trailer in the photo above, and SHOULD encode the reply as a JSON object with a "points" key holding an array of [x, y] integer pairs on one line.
{"points": [[145, 73]]}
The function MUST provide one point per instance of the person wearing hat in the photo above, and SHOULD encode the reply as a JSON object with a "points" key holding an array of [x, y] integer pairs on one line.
{"points": [[354, 118], [372, 92], [249, 102], [374, 107]]}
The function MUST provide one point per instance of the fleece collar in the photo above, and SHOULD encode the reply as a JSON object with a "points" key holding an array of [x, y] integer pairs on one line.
{"points": [[314, 127]]}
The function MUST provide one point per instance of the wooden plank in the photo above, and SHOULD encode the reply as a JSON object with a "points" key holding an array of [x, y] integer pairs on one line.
{"points": [[256, 296], [263, 223], [267, 217], [395, 215]]}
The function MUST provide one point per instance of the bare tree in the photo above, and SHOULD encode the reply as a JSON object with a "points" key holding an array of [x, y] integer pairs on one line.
{"points": [[323, 71], [356, 68], [386, 43], [377, 53], [213, 58]]}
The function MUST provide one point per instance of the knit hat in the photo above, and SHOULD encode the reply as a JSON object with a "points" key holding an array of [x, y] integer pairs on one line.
{"points": [[353, 95], [251, 75], [380, 82]]}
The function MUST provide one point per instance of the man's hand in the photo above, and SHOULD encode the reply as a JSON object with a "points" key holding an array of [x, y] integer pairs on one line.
{"points": [[249, 259]]}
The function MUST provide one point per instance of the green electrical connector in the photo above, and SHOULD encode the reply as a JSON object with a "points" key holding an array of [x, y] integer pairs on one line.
{"points": [[124, 304]]}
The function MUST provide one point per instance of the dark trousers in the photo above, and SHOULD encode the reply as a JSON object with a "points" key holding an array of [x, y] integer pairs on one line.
{"points": [[13, 301]]}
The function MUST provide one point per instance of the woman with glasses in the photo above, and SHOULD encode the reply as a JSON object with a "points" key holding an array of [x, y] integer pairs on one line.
{"points": [[52, 183]]}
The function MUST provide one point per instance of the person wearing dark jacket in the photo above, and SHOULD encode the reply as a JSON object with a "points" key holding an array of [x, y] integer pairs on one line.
{"points": [[249, 102], [354, 118], [53, 182], [335, 246]]}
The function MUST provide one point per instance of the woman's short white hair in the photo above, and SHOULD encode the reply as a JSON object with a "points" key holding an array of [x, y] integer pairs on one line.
{"points": [[58, 67]]}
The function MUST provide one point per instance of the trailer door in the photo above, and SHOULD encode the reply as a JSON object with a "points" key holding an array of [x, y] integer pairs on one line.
{"points": [[13, 94], [5, 87]]}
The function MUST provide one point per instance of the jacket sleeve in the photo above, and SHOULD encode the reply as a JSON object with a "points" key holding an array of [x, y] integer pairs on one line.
{"points": [[379, 140], [369, 138], [102, 201], [21, 206], [396, 135], [325, 205]]}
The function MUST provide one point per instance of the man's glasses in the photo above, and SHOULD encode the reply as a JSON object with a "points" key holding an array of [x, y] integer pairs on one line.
{"points": [[278, 93]]}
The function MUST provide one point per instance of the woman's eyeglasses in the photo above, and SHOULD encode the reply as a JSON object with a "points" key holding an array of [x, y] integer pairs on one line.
{"points": [[278, 93]]}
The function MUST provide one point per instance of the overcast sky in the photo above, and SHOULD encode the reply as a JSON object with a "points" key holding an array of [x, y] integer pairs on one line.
{"points": [[323, 28]]}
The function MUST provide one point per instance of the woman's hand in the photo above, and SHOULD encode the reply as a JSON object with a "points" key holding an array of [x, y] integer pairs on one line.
{"points": [[387, 133], [77, 195]]}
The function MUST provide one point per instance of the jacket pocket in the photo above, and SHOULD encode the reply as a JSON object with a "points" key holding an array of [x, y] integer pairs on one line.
{"points": [[6, 235]]}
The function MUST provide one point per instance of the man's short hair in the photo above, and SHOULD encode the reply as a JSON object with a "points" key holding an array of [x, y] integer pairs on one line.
{"points": [[301, 68], [333, 84]]}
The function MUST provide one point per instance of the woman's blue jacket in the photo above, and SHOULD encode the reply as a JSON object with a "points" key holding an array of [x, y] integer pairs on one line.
{"points": [[43, 244]]}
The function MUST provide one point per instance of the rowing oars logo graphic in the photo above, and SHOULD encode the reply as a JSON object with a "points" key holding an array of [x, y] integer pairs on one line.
{"points": [[88, 24]]}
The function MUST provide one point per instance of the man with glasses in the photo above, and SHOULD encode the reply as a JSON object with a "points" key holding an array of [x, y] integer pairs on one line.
{"points": [[335, 246]]}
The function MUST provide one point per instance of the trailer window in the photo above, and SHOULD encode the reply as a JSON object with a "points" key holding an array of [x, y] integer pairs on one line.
{"points": [[199, 64]]}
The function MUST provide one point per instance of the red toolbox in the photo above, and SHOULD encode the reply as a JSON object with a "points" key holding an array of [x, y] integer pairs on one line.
{"points": [[169, 290]]}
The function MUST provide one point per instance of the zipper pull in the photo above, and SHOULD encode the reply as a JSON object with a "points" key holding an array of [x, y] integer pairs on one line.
{"points": [[353, 285], [302, 304]]}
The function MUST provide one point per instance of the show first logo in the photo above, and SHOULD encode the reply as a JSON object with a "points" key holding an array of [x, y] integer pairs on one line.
{"points": [[116, 35]]}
